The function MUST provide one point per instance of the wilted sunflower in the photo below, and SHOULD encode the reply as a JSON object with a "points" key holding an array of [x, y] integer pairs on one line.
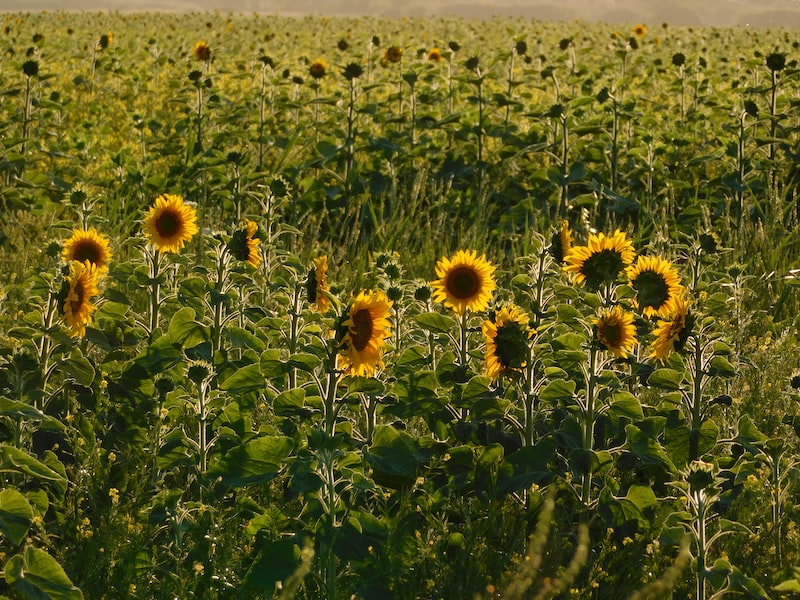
{"points": [[88, 245], [243, 244], [601, 260], [362, 332], [435, 55], [465, 281], [317, 69], [201, 51], [639, 30], [656, 281], [317, 285], [105, 40], [671, 334], [393, 54], [170, 223], [74, 298], [615, 331], [507, 336], [561, 242]]}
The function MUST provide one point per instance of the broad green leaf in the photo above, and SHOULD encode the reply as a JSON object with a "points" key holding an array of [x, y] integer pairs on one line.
{"points": [[303, 361], [364, 385], [721, 367], [668, 379], [15, 460], [289, 402], [678, 440], [79, 368], [275, 562], [625, 404], [37, 575], [246, 379], [159, 356], [241, 338], [568, 341], [646, 449], [255, 462], [183, 327], [527, 466], [271, 365], [21, 410], [393, 456], [559, 390], [16, 515], [435, 322]]}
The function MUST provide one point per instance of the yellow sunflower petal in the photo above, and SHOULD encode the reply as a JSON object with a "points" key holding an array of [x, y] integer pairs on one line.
{"points": [[367, 326], [170, 223], [466, 282]]}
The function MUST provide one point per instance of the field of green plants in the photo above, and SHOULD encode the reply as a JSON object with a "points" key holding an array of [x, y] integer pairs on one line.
{"points": [[362, 308]]}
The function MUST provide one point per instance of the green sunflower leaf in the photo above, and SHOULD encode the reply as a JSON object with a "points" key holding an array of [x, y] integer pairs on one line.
{"points": [[435, 322], [16, 515], [36, 574], [668, 379]]}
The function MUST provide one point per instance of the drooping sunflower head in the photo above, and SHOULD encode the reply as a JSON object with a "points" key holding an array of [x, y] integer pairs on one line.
{"points": [[88, 244], [74, 298], [601, 260], [170, 223], [201, 51], [244, 243], [561, 242], [614, 330], [671, 334], [392, 54], [361, 334], [507, 334], [318, 69], [105, 40], [466, 281], [656, 281], [317, 285], [435, 55]]}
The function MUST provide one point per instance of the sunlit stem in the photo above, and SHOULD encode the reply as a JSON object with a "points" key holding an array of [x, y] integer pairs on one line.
{"points": [[223, 261], [701, 506], [530, 399], [562, 205], [510, 86], [696, 400], [45, 343], [588, 425], [776, 507], [155, 287], [294, 330], [202, 419], [463, 350]]}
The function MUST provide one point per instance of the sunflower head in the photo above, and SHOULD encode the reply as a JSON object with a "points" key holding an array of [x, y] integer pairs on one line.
{"points": [[639, 30], [88, 245], [656, 281], [671, 333], [105, 40], [361, 333], [74, 297], [317, 285], [244, 243], [201, 51], [601, 260], [561, 242], [507, 333], [466, 282], [615, 331], [435, 55], [393, 55], [318, 69], [170, 223]]}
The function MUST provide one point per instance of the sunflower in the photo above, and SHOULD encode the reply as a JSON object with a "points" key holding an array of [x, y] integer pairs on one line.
{"points": [[393, 54], [601, 260], [671, 334], [105, 40], [465, 282], [243, 244], [361, 334], [561, 242], [201, 51], [507, 334], [317, 285], [615, 330], [74, 298], [656, 281], [317, 69], [639, 30], [435, 55], [88, 245], [170, 223]]}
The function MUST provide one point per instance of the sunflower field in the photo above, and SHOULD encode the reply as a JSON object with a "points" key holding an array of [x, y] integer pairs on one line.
{"points": [[360, 308]]}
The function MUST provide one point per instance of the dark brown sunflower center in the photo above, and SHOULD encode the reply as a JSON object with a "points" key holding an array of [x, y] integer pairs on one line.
{"points": [[361, 329], [511, 346], [651, 289], [86, 250], [612, 332], [463, 283], [602, 267], [168, 224], [75, 305], [311, 286]]}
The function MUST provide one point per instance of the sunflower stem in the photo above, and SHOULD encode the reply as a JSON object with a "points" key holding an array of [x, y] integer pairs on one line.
{"points": [[294, 328], [588, 426], [155, 289]]}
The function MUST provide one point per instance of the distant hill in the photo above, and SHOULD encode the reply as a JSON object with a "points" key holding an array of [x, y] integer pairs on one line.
{"points": [[775, 13]]}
